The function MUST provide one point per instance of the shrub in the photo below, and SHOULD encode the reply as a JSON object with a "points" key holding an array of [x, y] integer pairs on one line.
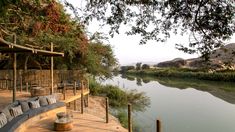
{"points": [[145, 66]]}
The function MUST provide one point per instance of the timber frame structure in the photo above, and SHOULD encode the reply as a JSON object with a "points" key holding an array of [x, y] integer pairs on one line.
{"points": [[13, 48]]}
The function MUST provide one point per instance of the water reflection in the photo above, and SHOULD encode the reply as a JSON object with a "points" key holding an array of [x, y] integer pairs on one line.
{"points": [[184, 105], [222, 90]]}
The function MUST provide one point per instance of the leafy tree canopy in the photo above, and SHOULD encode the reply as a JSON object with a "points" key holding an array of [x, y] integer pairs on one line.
{"points": [[138, 66], [39, 23], [145, 66], [208, 22]]}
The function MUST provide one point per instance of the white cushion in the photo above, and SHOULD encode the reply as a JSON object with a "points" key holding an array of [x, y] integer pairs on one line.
{"points": [[51, 100], [34, 104], [16, 111], [3, 120]]}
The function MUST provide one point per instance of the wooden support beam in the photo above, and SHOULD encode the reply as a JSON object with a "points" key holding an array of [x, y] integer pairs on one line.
{"points": [[107, 109], [88, 88], [64, 91], [88, 99], [129, 118], [75, 105], [14, 72], [27, 87], [74, 88], [87, 83], [158, 126], [7, 84], [52, 67], [13, 48], [82, 98], [21, 83]]}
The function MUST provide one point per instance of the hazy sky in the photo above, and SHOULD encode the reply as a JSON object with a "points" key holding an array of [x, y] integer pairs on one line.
{"points": [[128, 51]]}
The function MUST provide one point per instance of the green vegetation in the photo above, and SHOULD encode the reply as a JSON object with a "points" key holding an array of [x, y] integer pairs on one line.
{"points": [[119, 99], [202, 74], [122, 117], [38, 23], [145, 66], [126, 68], [138, 66]]}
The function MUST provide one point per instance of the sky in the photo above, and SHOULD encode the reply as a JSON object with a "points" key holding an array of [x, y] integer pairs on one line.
{"points": [[128, 51]]}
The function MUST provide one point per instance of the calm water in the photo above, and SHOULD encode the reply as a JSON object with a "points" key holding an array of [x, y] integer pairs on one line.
{"points": [[184, 105]]}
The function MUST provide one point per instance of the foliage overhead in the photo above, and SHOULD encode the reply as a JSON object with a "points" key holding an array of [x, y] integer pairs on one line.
{"points": [[100, 59], [208, 22], [38, 23]]}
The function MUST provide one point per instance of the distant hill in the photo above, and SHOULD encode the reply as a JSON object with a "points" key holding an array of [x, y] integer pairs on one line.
{"points": [[177, 62], [221, 58]]}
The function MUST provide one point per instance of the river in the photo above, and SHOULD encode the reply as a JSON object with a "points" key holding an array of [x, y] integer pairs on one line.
{"points": [[183, 105]]}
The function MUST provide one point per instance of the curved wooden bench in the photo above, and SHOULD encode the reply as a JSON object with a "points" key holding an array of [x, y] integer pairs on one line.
{"points": [[20, 123], [27, 123]]}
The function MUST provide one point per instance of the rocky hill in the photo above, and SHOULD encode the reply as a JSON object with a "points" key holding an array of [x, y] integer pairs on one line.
{"points": [[221, 58]]}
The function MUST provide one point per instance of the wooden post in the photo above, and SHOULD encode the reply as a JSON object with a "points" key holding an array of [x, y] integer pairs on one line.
{"points": [[129, 118], [88, 91], [158, 126], [27, 87], [21, 83], [74, 90], [52, 67], [107, 109], [82, 98], [14, 72], [87, 84], [7, 84], [1, 84], [75, 105], [87, 100], [64, 92]]}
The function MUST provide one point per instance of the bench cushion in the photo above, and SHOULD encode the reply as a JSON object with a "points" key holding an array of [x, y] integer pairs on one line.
{"points": [[34, 104], [34, 112], [16, 111], [3, 120], [6, 110], [43, 101], [14, 123], [24, 105]]}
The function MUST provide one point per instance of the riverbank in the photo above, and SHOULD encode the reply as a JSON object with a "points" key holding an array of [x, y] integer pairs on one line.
{"points": [[228, 76]]}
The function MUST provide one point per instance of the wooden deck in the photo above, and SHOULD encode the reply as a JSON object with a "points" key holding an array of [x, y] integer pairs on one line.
{"points": [[81, 123], [89, 121]]}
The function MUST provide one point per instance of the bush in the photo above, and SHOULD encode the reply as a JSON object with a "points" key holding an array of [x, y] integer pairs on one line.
{"points": [[145, 66], [120, 98]]}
